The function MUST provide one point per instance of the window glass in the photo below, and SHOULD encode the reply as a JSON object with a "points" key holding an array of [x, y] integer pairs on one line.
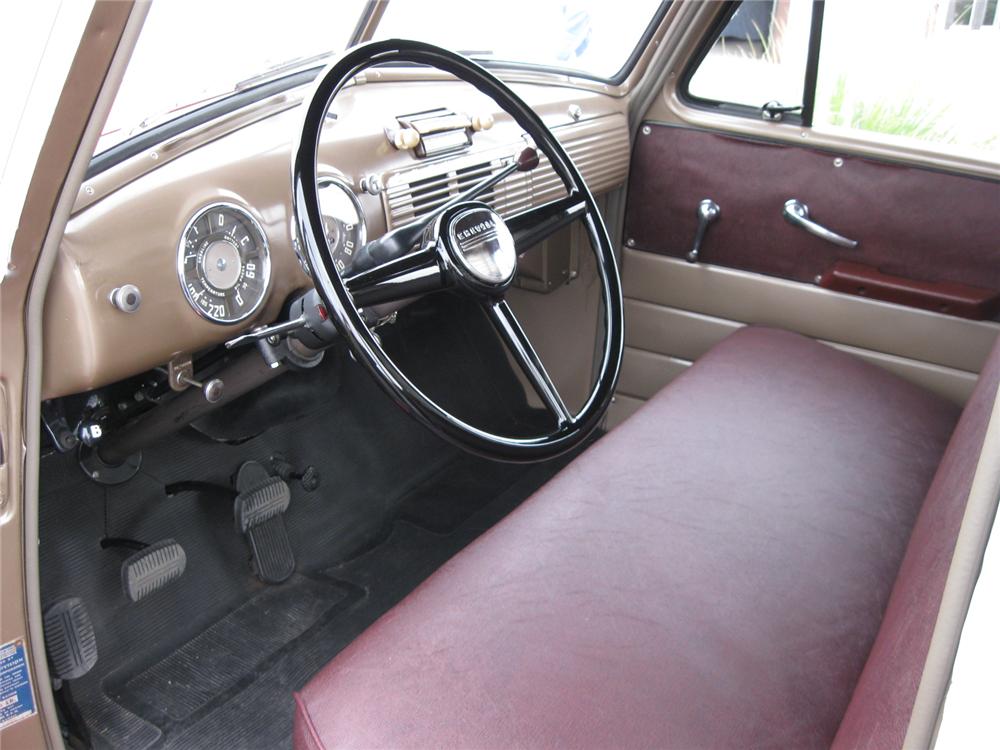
{"points": [[759, 57], [914, 71], [592, 36]]}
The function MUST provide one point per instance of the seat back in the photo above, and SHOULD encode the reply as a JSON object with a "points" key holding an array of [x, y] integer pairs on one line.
{"points": [[883, 700]]}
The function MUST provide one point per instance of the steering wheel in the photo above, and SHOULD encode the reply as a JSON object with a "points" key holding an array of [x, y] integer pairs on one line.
{"points": [[467, 247]]}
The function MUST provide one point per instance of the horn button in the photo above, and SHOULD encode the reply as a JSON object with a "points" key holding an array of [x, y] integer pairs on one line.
{"points": [[481, 247]]}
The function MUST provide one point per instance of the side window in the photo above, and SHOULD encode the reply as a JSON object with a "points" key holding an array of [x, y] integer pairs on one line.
{"points": [[909, 72], [759, 57]]}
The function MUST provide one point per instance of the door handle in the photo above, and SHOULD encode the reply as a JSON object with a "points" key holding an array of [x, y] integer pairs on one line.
{"points": [[796, 212]]}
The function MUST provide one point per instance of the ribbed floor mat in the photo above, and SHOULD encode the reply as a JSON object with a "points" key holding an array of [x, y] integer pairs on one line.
{"points": [[229, 655]]}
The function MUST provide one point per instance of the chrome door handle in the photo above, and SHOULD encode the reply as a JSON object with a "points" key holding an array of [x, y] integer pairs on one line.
{"points": [[797, 213]]}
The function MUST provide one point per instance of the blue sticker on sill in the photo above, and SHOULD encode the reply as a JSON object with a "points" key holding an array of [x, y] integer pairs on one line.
{"points": [[16, 699]]}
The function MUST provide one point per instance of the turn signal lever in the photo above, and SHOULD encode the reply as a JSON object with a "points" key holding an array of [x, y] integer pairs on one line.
{"points": [[307, 331], [398, 242]]}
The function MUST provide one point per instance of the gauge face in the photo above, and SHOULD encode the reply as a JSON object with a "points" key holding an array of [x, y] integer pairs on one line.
{"points": [[343, 222], [223, 263]]}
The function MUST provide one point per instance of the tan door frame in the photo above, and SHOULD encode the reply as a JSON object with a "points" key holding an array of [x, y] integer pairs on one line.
{"points": [[82, 108]]}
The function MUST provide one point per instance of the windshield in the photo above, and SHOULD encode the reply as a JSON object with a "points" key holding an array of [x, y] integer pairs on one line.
{"points": [[191, 52], [594, 37]]}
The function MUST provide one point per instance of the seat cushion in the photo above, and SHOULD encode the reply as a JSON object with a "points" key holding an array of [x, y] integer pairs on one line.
{"points": [[710, 574]]}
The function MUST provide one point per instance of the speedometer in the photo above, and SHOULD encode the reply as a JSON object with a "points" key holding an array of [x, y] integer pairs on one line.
{"points": [[343, 224], [223, 263]]}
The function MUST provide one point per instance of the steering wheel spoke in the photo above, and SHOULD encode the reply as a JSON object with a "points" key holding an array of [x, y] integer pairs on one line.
{"points": [[411, 275], [527, 358], [536, 224]]}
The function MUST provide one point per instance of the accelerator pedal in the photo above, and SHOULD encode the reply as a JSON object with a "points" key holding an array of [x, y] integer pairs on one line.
{"points": [[151, 568], [308, 476], [69, 638], [259, 510]]}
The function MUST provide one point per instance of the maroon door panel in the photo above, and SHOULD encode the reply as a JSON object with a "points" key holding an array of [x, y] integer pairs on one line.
{"points": [[917, 225]]}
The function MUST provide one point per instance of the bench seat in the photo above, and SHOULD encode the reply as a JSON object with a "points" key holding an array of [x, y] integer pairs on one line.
{"points": [[713, 573]]}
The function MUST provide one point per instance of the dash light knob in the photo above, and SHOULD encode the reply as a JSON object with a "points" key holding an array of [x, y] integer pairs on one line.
{"points": [[126, 298]]}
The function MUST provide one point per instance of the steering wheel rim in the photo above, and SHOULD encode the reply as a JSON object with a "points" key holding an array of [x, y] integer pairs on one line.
{"points": [[344, 310]]}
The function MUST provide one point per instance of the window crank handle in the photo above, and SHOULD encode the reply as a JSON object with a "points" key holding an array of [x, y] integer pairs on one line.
{"points": [[708, 211]]}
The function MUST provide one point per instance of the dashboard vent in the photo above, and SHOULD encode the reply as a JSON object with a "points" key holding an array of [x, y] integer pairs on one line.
{"points": [[419, 195], [599, 148]]}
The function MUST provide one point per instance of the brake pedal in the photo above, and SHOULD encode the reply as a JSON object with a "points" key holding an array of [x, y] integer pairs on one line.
{"points": [[151, 568], [259, 510], [69, 638]]}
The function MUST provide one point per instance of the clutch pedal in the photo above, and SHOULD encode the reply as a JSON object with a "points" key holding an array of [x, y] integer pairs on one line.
{"points": [[151, 568], [69, 638], [259, 508]]}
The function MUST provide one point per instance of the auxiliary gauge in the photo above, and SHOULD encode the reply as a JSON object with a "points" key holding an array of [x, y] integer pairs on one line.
{"points": [[223, 263], [343, 224]]}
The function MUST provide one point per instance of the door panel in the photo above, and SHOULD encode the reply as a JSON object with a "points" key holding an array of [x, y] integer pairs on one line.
{"points": [[919, 294], [915, 224]]}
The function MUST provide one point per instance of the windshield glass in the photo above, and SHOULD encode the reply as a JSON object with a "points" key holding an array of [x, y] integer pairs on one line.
{"points": [[191, 52], [595, 37]]}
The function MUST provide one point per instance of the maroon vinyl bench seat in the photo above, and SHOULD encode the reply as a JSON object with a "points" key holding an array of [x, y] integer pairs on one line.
{"points": [[714, 573]]}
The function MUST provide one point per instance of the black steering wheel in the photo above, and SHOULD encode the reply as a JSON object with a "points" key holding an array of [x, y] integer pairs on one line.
{"points": [[467, 247]]}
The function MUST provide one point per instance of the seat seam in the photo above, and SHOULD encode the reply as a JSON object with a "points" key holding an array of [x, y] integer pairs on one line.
{"points": [[313, 733]]}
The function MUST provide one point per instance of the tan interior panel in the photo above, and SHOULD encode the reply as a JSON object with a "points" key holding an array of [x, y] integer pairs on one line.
{"points": [[645, 372], [674, 332], [547, 318], [621, 409], [854, 321], [679, 335], [954, 385]]}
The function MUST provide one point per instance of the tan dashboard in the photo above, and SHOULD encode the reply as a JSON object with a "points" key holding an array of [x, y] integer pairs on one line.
{"points": [[130, 220]]}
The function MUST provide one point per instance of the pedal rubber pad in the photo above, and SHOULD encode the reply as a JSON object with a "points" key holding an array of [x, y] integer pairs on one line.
{"points": [[259, 508], [152, 568], [69, 638], [260, 503]]}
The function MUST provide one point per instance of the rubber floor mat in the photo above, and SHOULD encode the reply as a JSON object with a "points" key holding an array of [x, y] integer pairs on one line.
{"points": [[229, 655]]}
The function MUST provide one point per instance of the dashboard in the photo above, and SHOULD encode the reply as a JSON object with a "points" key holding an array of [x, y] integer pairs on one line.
{"points": [[184, 246]]}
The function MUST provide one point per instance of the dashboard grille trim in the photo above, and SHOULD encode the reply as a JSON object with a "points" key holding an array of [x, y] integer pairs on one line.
{"points": [[599, 147]]}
